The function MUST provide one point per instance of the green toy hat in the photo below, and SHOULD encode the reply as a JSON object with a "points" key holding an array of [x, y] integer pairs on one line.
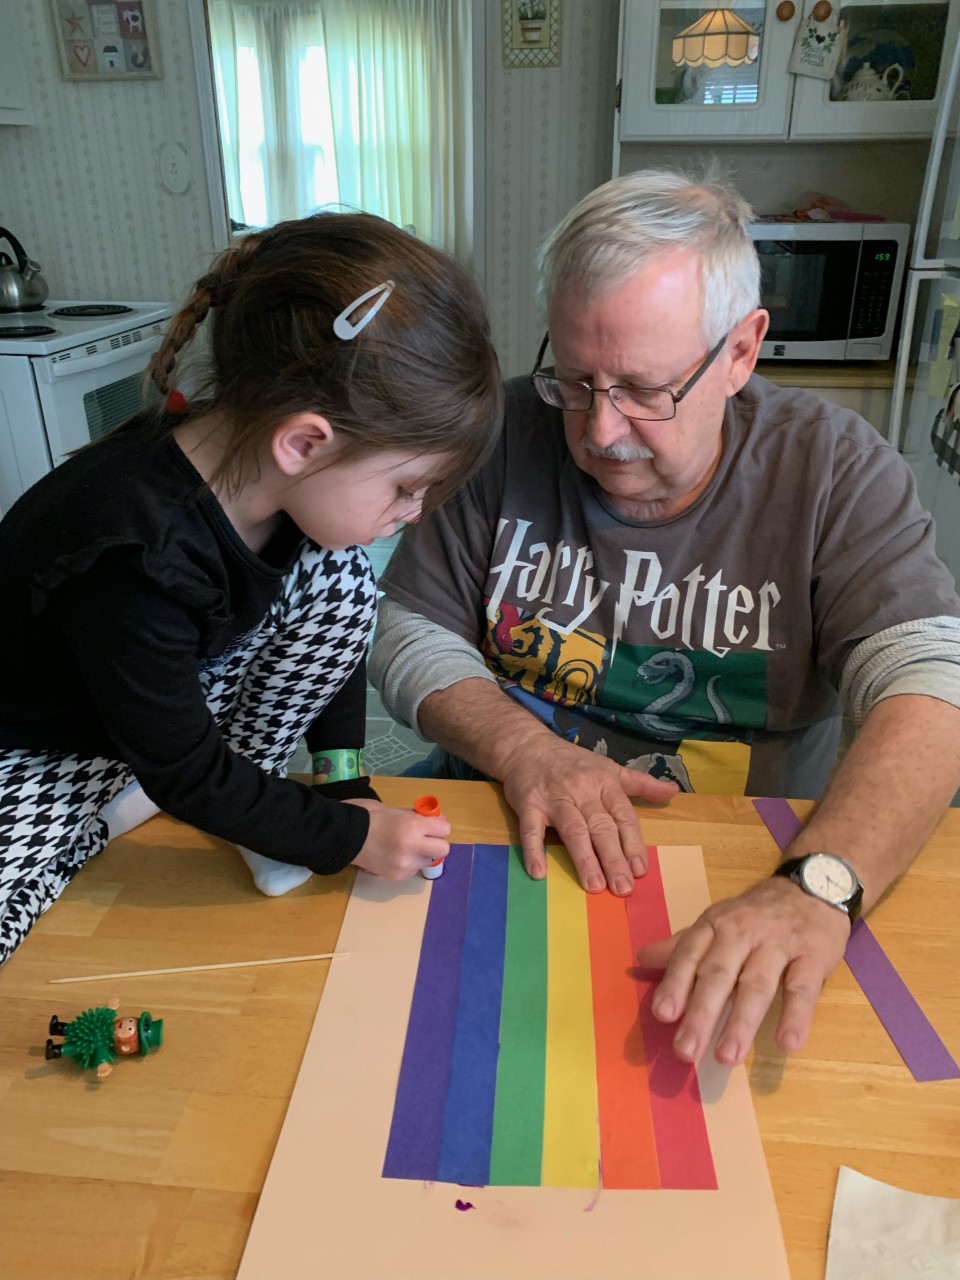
{"points": [[151, 1033]]}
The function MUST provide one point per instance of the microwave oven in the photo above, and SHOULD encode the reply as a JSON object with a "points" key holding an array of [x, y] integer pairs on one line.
{"points": [[832, 288]]}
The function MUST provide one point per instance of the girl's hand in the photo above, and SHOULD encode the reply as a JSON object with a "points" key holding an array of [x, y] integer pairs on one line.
{"points": [[400, 843]]}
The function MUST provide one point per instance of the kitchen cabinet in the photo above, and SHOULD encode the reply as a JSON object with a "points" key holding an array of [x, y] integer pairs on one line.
{"points": [[888, 82], [15, 102], [865, 389]]}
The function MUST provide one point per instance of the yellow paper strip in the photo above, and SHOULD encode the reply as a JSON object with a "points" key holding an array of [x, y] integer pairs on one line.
{"points": [[571, 1135]]}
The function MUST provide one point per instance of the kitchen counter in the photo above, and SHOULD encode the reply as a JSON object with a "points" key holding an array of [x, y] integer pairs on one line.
{"points": [[873, 374], [157, 1172]]}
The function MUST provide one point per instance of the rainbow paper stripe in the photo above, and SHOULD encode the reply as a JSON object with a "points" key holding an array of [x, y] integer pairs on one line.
{"points": [[531, 1056]]}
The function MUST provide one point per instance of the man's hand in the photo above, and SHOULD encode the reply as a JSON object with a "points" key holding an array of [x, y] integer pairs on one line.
{"points": [[586, 797], [742, 950]]}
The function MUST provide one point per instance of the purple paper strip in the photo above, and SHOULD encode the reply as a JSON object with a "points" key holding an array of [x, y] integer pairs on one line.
{"points": [[413, 1148], [468, 1113], [921, 1048], [906, 1024], [779, 819]]}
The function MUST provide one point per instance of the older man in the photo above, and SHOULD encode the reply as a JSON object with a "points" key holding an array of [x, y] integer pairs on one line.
{"points": [[663, 578]]}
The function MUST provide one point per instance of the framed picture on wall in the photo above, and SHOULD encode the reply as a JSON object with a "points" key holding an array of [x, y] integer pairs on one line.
{"points": [[531, 33], [107, 39]]}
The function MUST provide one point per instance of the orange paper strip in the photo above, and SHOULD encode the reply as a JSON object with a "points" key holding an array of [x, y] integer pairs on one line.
{"points": [[627, 1144]]}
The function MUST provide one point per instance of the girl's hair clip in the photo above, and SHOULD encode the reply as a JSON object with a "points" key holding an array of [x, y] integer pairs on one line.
{"points": [[176, 404], [344, 328]]}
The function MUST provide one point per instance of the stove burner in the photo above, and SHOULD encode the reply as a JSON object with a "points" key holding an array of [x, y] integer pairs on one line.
{"points": [[26, 330], [93, 309]]}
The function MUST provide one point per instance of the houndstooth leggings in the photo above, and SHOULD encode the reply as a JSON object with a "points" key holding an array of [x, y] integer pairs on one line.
{"points": [[263, 693]]}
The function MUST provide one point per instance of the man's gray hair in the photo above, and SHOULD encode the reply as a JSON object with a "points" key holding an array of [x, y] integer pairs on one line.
{"points": [[620, 227]]}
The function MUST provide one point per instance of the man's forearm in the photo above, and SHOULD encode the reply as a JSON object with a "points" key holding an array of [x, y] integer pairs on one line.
{"points": [[481, 724], [890, 790]]}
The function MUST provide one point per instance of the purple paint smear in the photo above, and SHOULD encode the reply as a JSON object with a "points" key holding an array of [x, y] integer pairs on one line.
{"points": [[464, 1205], [905, 1022], [595, 1198]]}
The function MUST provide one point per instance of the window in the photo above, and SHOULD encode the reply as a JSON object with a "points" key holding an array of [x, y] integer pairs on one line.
{"points": [[347, 102]]}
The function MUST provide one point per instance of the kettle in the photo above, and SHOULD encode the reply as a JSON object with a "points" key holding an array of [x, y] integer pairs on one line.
{"points": [[22, 287]]}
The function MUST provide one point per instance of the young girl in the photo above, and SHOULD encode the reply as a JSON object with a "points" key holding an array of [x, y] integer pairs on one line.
{"points": [[184, 599]]}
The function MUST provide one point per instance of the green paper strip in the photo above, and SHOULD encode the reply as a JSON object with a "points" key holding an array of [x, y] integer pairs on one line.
{"points": [[517, 1151]]}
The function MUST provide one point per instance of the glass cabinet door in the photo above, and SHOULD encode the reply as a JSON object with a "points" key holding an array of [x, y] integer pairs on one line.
{"points": [[704, 70], [890, 76]]}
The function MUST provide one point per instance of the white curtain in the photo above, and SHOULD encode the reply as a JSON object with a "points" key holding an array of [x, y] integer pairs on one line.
{"points": [[363, 103]]}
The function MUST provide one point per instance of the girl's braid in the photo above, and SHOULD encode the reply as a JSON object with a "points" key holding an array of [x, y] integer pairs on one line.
{"points": [[210, 291]]}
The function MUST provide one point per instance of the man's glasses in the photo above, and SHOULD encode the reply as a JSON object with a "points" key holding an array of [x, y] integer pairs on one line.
{"points": [[642, 404]]}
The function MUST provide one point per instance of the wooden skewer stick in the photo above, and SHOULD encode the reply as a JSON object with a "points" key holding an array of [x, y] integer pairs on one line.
{"points": [[202, 968]]}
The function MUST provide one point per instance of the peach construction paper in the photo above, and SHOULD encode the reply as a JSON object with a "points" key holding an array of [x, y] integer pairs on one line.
{"points": [[327, 1214]]}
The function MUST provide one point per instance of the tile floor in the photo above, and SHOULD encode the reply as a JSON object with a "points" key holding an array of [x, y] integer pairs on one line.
{"points": [[390, 747]]}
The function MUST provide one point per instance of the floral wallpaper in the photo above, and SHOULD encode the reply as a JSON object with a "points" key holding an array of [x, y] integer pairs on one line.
{"points": [[81, 188], [549, 140]]}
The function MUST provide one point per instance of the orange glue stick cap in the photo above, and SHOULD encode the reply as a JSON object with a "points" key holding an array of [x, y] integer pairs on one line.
{"points": [[429, 807]]}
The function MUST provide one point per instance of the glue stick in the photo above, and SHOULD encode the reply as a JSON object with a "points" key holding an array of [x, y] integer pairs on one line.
{"points": [[429, 807]]}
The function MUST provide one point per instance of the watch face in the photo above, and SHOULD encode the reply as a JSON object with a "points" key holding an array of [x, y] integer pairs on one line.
{"points": [[828, 878]]}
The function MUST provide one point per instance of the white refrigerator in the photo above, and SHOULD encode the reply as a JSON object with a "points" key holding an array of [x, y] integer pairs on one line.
{"points": [[925, 417]]}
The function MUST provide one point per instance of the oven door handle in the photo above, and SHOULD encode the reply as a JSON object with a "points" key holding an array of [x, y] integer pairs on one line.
{"points": [[50, 370]]}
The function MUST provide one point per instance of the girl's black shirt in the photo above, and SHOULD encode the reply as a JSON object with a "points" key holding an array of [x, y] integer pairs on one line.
{"points": [[119, 575]]}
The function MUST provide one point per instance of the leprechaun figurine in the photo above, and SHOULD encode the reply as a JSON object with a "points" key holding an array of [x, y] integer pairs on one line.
{"points": [[95, 1036]]}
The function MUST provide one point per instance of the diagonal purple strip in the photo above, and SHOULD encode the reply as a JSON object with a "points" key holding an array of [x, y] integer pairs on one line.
{"points": [[905, 1022], [779, 819], [416, 1131], [921, 1048]]}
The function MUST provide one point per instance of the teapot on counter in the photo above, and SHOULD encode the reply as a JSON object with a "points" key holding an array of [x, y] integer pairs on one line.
{"points": [[22, 287]]}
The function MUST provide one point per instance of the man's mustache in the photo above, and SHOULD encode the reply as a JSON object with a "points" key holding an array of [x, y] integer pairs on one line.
{"points": [[619, 451]]}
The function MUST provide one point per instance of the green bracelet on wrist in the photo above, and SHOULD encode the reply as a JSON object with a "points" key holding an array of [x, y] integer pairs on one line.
{"points": [[337, 766]]}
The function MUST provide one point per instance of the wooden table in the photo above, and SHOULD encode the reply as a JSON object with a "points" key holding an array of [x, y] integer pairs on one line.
{"points": [[156, 1171]]}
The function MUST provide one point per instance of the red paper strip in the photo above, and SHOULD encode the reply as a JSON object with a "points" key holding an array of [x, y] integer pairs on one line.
{"points": [[683, 1146]]}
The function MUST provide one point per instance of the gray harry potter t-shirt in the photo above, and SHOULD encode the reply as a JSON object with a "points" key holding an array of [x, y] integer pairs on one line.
{"points": [[706, 647]]}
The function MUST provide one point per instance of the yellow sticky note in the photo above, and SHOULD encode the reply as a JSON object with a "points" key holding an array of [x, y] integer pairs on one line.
{"points": [[941, 366]]}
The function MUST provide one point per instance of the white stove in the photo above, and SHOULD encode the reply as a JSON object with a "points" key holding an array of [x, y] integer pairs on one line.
{"points": [[20, 331], [69, 373]]}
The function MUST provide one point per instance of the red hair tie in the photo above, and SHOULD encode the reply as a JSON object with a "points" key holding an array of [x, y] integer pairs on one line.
{"points": [[176, 403]]}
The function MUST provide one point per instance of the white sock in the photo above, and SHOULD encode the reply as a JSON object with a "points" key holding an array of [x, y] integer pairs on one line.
{"points": [[132, 807], [127, 810], [273, 878]]}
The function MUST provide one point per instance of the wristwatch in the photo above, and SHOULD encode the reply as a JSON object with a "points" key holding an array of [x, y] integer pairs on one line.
{"points": [[828, 877]]}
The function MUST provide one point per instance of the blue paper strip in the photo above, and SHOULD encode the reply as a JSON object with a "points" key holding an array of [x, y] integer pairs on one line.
{"points": [[468, 1120], [413, 1148]]}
